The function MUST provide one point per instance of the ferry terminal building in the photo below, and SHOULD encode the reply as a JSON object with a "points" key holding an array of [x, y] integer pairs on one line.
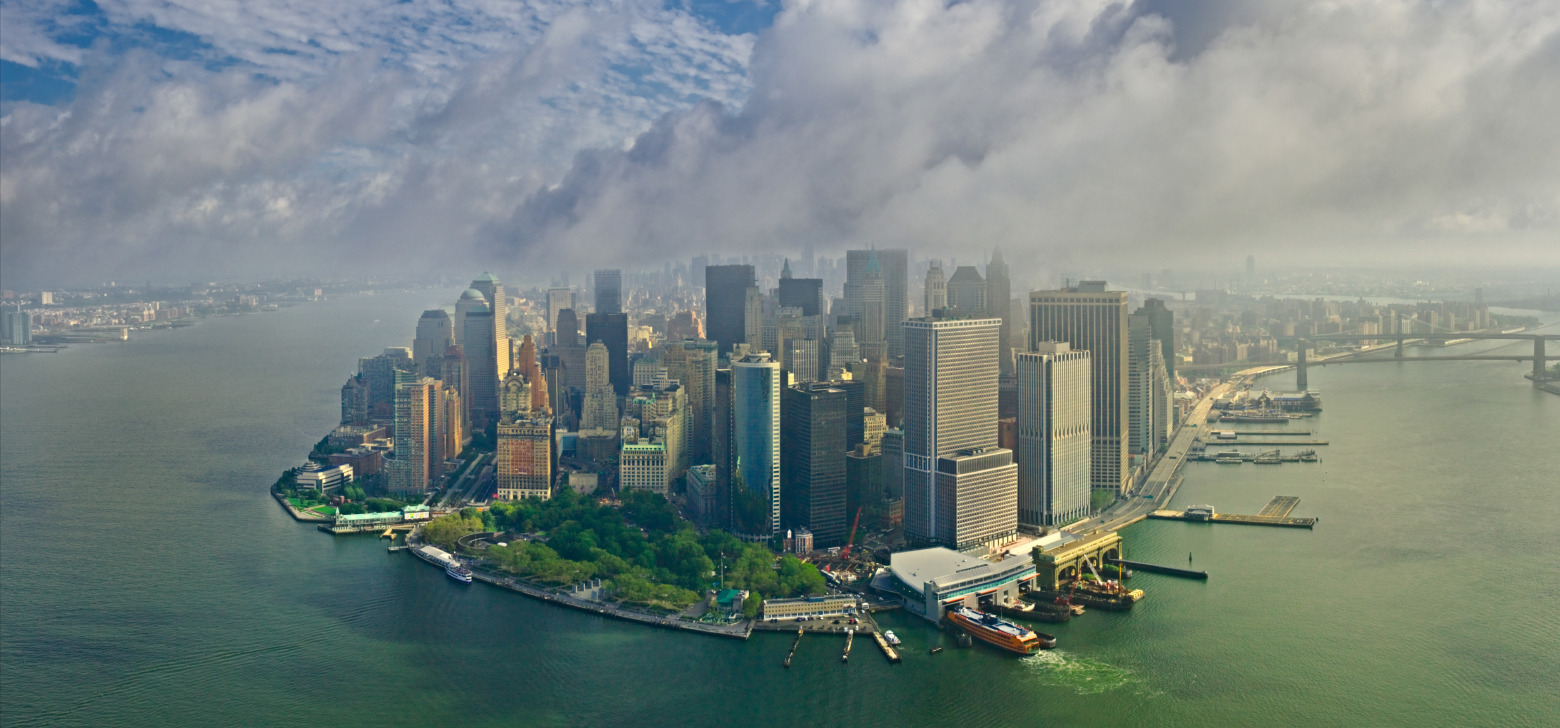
{"points": [[932, 581]]}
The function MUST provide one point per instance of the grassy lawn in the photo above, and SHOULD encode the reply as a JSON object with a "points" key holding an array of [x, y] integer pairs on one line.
{"points": [[323, 510]]}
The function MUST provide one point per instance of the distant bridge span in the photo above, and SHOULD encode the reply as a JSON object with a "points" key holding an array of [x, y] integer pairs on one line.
{"points": [[1540, 361]]}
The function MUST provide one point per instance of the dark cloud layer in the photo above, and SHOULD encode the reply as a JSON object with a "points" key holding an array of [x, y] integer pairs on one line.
{"points": [[1337, 132]]}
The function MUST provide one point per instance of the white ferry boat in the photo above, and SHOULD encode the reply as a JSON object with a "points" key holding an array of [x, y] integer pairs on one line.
{"points": [[890, 638], [457, 572]]}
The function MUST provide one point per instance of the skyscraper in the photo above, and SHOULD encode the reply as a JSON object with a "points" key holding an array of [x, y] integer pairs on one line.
{"points": [[609, 291], [15, 327], [418, 434], [803, 293], [558, 299], [755, 446], [692, 363], [1055, 412], [725, 303], [967, 291], [936, 288], [866, 301], [1140, 389], [493, 290], [895, 265], [452, 371], [1089, 318], [1162, 327], [522, 462], [354, 401], [813, 462], [999, 303], [801, 359], [600, 411], [469, 299], [961, 488], [435, 333], [611, 330], [481, 367]]}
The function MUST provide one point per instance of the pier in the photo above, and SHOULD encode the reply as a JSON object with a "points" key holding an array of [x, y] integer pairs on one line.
{"points": [[888, 649], [792, 653], [1157, 569], [850, 637], [1275, 513], [1279, 507]]}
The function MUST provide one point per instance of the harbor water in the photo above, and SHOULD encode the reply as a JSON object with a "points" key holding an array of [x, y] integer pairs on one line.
{"points": [[147, 579]]}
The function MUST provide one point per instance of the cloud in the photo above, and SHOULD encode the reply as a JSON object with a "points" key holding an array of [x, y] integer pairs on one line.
{"points": [[1356, 131], [561, 135]]}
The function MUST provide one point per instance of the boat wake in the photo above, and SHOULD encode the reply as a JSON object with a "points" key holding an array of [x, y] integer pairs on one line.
{"points": [[1086, 675]]}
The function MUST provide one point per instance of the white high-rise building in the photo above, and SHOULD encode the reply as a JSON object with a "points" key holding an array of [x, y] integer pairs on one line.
{"points": [[961, 488], [936, 288], [600, 411], [755, 446], [1089, 318], [1055, 414]]}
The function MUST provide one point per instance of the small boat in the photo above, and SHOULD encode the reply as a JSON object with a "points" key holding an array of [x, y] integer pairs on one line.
{"points": [[458, 573], [890, 638], [936, 650]]}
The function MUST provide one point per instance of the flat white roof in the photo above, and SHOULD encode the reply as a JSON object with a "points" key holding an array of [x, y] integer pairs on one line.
{"points": [[915, 568]]}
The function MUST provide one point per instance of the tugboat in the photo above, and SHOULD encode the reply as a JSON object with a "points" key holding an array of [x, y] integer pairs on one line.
{"points": [[999, 632], [457, 572]]}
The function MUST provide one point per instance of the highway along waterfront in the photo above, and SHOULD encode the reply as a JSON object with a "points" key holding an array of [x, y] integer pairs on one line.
{"points": [[145, 568]]}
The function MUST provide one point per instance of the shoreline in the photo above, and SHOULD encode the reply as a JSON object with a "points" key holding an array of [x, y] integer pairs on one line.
{"points": [[742, 630]]}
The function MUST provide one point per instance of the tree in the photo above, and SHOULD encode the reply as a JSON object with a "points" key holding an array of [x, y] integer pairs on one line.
{"points": [[446, 530], [751, 606]]}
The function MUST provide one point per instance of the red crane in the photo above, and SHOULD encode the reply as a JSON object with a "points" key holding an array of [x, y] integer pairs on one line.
{"points": [[845, 554]]}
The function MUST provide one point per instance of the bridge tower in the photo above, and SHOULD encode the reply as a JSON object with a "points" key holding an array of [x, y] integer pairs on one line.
{"points": [[1300, 379], [1539, 364], [1397, 328]]}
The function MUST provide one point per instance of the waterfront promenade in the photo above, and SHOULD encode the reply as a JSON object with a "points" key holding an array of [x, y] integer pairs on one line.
{"points": [[741, 630]]}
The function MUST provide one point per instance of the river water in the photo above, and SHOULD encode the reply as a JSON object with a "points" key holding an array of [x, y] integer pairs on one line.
{"points": [[149, 580]]}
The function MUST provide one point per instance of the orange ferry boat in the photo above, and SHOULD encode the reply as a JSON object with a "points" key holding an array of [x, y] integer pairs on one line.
{"points": [[1000, 632]]}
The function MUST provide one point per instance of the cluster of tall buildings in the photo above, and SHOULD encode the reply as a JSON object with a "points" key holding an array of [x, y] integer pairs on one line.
{"points": [[462, 375], [778, 409]]}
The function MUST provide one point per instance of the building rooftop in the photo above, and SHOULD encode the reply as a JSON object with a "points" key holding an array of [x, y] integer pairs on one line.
{"points": [[915, 568]]}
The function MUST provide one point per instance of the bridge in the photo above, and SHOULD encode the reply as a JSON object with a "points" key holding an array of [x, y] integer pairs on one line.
{"points": [[1538, 357]]}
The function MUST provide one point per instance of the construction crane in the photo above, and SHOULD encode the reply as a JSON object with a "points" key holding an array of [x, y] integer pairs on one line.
{"points": [[845, 553]]}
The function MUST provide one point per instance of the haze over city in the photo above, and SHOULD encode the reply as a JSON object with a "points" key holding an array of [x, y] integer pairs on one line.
{"points": [[194, 141], [699, 363]]}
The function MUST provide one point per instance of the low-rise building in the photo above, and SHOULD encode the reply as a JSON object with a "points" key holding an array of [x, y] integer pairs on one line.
{"points": [[364, 461], [700, 504], [824, 606], [315, 477]]}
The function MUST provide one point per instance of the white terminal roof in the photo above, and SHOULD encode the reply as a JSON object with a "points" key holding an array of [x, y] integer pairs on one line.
{"points": [[915, 568]]}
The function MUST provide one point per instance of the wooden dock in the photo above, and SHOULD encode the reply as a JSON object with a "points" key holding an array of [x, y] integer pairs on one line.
{"points": [[792, 653], [850, 637]]}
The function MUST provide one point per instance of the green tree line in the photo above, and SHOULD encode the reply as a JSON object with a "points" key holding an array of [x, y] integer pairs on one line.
{"points": [[662, 557]]}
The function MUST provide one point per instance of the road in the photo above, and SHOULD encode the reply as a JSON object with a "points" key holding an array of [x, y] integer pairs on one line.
{"points": [[1155, 491]]}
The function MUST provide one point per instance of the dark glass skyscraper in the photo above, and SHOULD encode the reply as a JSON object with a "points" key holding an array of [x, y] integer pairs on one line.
{"points": [[803, 293], [609, 291], [812, 460], [725, 298]]}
